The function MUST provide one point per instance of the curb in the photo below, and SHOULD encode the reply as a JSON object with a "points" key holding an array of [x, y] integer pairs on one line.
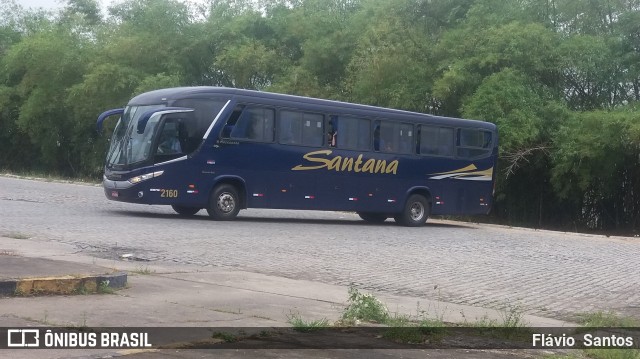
{"points": [[64, 285]]}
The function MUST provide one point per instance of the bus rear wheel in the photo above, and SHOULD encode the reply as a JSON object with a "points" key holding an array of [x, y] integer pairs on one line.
{"points": [[415, 213], [224, 203], [185, 211], [373, 217]]}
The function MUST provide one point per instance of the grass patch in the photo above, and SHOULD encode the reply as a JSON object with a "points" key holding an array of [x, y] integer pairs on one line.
{"points": [[81, 290], [364, 308], [18, 235], [406, 329], [607, 319], [225, 336], [104, 288], [302, 325], [613, 353], [143, 270], [511, 317]]}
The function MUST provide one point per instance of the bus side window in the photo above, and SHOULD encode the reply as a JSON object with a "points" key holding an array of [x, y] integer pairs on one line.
{"points": [[387, 143], [445, 141], [300, 128], [312, 130], [242, 128], [353, 133], [473, 143], [230, 126], [393, 137], [255, 124], [288, 128], [436, 141]]}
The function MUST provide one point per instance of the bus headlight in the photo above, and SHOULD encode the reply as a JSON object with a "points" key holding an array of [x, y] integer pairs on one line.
{"points": [[138, 179]]}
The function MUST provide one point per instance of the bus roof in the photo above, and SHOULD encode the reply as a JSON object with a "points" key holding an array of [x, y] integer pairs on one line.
{"points": [[171, 94]]}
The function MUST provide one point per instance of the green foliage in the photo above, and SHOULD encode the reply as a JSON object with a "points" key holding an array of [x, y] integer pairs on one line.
{"points": [[364, 307], [250, 65], [597, 164], [591, 73], [613, 353], [388, 67], [560, 79], [610, 319], [306, 326], [508, 99]]}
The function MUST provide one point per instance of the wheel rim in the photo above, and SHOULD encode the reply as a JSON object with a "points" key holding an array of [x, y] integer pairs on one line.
{"points": [[416, 212], [226, 203]]}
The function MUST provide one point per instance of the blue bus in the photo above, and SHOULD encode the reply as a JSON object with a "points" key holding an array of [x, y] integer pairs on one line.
{"points": [[225, 149]]}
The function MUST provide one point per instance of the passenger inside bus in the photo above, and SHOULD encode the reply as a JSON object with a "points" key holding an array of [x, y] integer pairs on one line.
{"points": [[332, 131], [170, 140]]}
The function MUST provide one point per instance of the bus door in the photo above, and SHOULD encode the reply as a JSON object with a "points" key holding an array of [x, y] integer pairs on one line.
{"points": [[162, 138], [245, 150]]}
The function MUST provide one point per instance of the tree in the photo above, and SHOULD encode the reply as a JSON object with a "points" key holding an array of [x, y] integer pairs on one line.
{"points": [[41, 67], [392, 64], [468, 55], [526, 115], [596, 164]]}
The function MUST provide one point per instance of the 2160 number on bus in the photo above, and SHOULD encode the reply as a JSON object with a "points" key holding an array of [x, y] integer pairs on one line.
{"points": [[169, 193]]}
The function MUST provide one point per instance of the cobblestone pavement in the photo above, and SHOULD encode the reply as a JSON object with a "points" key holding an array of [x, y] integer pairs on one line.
{"points": [[545, 273]]}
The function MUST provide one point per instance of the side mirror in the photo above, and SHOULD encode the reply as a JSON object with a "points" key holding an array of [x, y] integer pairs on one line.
{"points": [[103, 116]]}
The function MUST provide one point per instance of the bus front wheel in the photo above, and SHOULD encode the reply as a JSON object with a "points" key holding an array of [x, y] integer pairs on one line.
{"points": [[185, 211], [373, 217], [415, 213], [224, 204]]}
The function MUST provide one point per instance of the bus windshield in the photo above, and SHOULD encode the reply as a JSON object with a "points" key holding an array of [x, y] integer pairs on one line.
{"points": [[127, 145]]}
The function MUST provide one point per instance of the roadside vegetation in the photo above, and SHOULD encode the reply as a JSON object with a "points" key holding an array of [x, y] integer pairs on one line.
{"points": [[365, 310]]}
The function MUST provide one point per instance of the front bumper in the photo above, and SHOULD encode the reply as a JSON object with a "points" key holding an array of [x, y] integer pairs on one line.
{"points": [[123, 191]]}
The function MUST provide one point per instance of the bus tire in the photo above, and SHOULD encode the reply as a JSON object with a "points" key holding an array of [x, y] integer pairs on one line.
{"points": [[185, 211], [415, 213], [373, 217], [224, 203]]}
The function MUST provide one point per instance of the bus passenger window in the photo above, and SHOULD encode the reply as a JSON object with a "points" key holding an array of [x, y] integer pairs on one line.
{"points": [[254, 124], [231, 122], [353, 133], [300, 128], [473, 143], [393, 137], [436, 141]]}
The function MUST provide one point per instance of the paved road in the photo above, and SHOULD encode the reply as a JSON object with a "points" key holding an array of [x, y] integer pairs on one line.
{"points": [[545, 273]]}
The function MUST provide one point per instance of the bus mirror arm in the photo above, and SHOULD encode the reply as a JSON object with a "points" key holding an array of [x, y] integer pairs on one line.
{"points": [[103, 116], [142, 122]]}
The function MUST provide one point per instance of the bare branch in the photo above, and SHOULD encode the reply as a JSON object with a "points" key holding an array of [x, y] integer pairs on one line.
{"points": [[516, 158]]}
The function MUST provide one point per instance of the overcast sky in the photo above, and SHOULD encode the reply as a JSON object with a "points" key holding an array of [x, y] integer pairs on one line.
{"points": [[56, 4], [47, 4]]}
